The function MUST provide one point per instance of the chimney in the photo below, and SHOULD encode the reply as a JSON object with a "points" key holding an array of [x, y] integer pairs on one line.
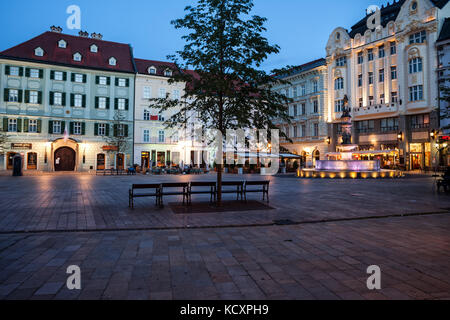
{"points": [[56, 29], [98, 36], [83, 34]]}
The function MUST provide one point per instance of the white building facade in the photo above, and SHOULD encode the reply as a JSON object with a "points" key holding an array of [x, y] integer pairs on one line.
{"points": [[389, 76], [308, 130]]}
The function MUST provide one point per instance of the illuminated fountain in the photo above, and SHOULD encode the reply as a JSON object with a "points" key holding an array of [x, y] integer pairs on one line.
{"points": [[345, 165]]}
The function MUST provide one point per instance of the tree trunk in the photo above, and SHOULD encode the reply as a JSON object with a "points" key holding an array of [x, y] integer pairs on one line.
{"points": [[219, 185]]}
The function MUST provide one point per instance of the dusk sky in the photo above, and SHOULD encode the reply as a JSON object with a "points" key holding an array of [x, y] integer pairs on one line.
{"points": [[301, 28]]}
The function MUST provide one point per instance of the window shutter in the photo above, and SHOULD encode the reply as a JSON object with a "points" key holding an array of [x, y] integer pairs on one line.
{"points": [[26, 123], [20, 72], [5, 124], [20, 95], [84, 78], [7, 70], [72, 100], [41, 74], [72, 77], [64, 76], [83, 128], [71, 128], [126, 130], [19, 125], [39, 126], [107, 103], [52, 75], [97, 80], [27, 96], [63, 126], [39, 97], [116, 104], [83, 103], [96, 102], [6, 95], [115, 130], [108, 81], [127, 101], [107, 130], [64, 99], [96, 129], [117, 82], [27, 72], [50, 127], [128, 82], [52, 98]]}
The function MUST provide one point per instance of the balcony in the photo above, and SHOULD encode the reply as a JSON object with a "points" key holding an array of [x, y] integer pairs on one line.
{"points": [[382, 109], [157, 140]]}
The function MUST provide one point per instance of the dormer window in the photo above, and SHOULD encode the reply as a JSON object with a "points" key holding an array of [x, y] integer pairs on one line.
{"points": [[168, 73], [38, 52], [152, 70], [77, 57], [62, 44], [94, 48], [112, 61]]}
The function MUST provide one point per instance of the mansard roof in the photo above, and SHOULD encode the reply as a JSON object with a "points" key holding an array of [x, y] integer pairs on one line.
{"points": [[55, 55], [445, 31]]}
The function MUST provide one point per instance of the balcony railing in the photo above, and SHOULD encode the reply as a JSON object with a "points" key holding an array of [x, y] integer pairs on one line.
{"points": [[374, 109], [157, 140]]}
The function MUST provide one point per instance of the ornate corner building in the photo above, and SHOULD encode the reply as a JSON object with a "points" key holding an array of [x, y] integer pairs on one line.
{"points": [[388, 71]]}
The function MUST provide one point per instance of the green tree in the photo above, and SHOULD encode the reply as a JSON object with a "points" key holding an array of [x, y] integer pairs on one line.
{"points": [[228, 89], [445, 113], [4, 138], [119, 139]]}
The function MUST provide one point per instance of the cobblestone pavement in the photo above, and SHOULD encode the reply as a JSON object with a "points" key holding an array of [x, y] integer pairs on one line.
{"points": [[84, 202], [310, 261]]}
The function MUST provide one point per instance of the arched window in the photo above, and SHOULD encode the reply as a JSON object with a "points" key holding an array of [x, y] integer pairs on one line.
{"points": [[415, 65], [339, 84], [152, 70], [168, 73]]}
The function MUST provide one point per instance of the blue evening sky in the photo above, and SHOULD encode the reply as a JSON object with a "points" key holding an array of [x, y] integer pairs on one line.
{"points": [[300, 27]]}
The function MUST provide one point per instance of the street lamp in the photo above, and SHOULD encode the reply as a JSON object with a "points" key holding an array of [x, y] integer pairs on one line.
{"points": [[328, 140], [400, 136], [432, 134]]}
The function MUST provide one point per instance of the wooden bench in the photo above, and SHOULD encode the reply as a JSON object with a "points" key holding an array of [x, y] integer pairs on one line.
{"points": [[239, 188], [212, 191], [264, 188], [146, 187], [184, 186]]}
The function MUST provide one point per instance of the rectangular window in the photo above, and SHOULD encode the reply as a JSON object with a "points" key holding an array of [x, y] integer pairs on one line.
{"points": [[78, 78], [393, 73], [13, 95], [419, 37], [316, 129], [295, 132], [32, 126], [161, 118], [146, 135], [147, 93], [341, 61], [381, 77], [162, 93], [303, 109], [370, 54], [382, 98], [315, 86], [59, 76], [415, 65], [366, 126], [103, 81], [146, 115], [56, 127], [101, 129], [381, 52], [420, 121], [161, 136], [303, 90], [12, 125], [78, 100], [360, 57], [176, 94], [77, 128], [121, 104], [294, 108], [393, 48], [14, 71], [34, 97], [370, 77], [316, 106], [360, 80], [102, 103], [360, 102], [394, 98], [415, 93], [303, 130], [57, 99], [338, 106], [370, 100], [122, 82], [389, 125], [34, 73], [121, 130]]}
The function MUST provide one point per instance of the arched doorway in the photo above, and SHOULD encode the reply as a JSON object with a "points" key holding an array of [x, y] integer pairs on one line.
{"points": [[120, 161], [64, 159]]}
